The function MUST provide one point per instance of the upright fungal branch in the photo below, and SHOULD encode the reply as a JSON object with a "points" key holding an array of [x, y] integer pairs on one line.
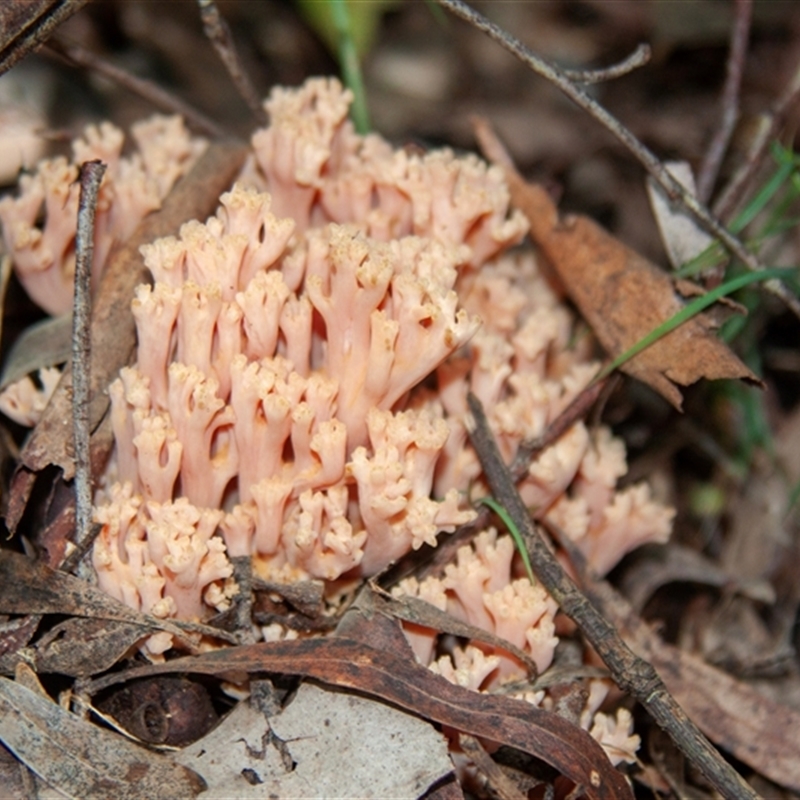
{"points": [[38, 225]]}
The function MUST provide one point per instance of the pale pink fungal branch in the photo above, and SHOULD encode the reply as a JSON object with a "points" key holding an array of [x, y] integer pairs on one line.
{"points": [[604, 523], [21, 127], [24, 400], [163, 559], [318, 170], [308, 128], [287, 450], [480, 589], [614, 732], [44, 257], [394, 479]]}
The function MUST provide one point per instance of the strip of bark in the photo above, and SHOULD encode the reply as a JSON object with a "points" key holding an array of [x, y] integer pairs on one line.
{"points": [[91, 175], [23, 26]]}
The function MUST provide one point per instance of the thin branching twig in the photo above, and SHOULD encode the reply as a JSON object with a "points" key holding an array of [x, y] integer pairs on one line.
{"points": [[638, 58], [740, 34], [632, 674], [152, 92], [674, 190], [219, 34], [91, 174]]}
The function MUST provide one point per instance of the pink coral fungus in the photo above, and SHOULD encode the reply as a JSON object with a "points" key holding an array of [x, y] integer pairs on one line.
{"points": [[303, 364], [44, 257]]}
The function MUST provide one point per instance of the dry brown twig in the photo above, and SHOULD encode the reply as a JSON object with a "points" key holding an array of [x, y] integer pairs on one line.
{"points": [[632, 674], [219, 34], [709, 169], [674, 190], [638, 58], [769, 126], [151, 92]]}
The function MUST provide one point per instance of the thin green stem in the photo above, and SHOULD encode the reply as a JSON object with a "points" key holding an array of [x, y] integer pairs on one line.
{"points": [[351, 68]]}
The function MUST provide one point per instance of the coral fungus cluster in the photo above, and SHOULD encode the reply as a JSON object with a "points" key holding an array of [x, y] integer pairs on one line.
{"points": [[43, 251], [299, 396], [133, 186]]}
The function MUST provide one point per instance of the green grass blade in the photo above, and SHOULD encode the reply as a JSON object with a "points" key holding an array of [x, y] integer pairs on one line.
{"points": [[715, 254], [764, 195], [513, 530], [351, 67]]}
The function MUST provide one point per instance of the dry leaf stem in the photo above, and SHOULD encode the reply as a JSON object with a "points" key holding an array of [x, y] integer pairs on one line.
{"points": [[674, 190], [633, 675]]}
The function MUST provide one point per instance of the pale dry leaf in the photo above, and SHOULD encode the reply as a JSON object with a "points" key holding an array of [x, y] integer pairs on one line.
{"points": [[324, 744], [682, 237]]}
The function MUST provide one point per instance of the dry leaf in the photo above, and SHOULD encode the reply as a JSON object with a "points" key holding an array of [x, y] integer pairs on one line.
{"points": [[674, 564], [620, 294], [80, 647], [44, 344], [11, 777], [682, 237], [82, 760]]}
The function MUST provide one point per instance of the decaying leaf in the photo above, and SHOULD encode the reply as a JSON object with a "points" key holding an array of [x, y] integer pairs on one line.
{"points": [[44, 344], [324, 744], [675, 563], [621, 295], [82, 760], [29, 587], [80, 647]]}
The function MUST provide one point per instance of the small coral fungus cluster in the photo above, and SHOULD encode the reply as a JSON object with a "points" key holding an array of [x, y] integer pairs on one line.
{"points": [[44, 257], [299, 395]]}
